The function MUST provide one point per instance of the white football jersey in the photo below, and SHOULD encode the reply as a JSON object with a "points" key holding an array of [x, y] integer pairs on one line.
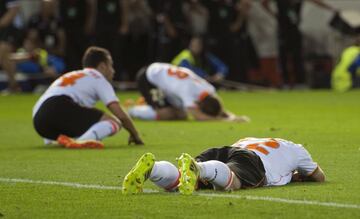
{"points": [[280, 158], [85, 87], [180, 83]]}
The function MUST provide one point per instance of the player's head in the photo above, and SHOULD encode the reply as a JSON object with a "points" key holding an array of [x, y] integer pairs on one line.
{"points": [[100, 59], [210, 105]]}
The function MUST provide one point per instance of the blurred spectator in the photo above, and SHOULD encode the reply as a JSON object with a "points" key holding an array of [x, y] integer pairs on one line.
{"points": [[10, 37], [48, 29], [197, 17], [32, 59], [243, 56], [219, 39], [110, 24], [289, 36], [43, 45], [170, 31], [200, 61], [346, 73], [137, 30], [78, 19]]}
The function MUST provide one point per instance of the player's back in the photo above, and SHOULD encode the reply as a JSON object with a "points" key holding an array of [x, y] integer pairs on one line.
{"points": [[280, 157], [85, 87], [178, 81]]}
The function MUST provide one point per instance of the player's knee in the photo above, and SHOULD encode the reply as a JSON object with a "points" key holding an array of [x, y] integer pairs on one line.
{"points": [[116, 123]]}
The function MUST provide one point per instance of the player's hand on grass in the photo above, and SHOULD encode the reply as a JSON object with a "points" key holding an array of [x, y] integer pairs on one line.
{"points": [[135, 140]]}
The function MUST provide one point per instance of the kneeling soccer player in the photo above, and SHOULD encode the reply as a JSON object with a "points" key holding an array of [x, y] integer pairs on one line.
{"points": [[248, 163], [67, 110]]}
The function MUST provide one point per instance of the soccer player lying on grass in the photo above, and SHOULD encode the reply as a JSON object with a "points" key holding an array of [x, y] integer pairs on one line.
{"points": [[67, 110], [172, 92], [248, 163]]}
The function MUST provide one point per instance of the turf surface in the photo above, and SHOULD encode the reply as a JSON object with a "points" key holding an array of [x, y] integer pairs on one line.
{"points": [[326, 123]]}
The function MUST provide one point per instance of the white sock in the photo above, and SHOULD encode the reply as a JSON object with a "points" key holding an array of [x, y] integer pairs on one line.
{"points": [[165, 175], [144, 112], [100, 130], [216, 173]]}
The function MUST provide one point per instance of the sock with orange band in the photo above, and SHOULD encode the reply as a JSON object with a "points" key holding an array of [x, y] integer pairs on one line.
{"points": [[100, 130], [216, 173], [165, 175]]}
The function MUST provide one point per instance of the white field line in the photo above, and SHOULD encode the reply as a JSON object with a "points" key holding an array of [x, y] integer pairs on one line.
{"points": [[232, 196]]}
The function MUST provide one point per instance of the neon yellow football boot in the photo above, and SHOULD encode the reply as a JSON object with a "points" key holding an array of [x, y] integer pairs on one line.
{"points": [[134, 180], [189, 171]]}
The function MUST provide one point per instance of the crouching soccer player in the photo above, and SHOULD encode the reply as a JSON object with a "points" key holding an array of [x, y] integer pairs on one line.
{"points": [[66, 110], [248, 163], [171, 93]]}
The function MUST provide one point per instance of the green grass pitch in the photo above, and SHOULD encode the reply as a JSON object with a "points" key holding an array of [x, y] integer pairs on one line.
{"points": [[326, 123]]}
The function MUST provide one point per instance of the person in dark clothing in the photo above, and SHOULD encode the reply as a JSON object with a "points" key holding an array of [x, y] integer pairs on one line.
{"points": [[77, 18], [243, 54], [288, 17], [169, 34], [137, 33], [10, 37], [110, 29]]}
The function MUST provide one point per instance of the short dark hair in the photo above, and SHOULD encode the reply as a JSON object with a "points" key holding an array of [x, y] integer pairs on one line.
{"points": [[93, 56], [210, 105]]}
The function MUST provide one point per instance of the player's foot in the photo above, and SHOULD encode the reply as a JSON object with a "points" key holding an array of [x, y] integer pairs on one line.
{"points": [[134, 180], [71, 143], [189, 171]]}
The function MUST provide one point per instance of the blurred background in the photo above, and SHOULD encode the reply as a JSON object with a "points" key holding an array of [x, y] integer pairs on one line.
{"points": [[283, 44]]}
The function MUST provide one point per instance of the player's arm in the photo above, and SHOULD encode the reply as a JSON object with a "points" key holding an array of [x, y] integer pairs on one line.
{"points": [[316, 176], [9, 16], [127, 123]]}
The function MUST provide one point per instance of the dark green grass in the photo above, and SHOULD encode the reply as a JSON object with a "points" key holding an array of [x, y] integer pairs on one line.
{"points": [[327, 123]]}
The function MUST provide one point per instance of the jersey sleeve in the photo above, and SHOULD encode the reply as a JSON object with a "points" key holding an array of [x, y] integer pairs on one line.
{"points": [[306, 166], [106, 92]]}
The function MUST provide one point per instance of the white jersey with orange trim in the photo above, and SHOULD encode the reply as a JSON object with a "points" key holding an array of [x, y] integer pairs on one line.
{"points": [[178, 82], [85, 87], [280, 158]]}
